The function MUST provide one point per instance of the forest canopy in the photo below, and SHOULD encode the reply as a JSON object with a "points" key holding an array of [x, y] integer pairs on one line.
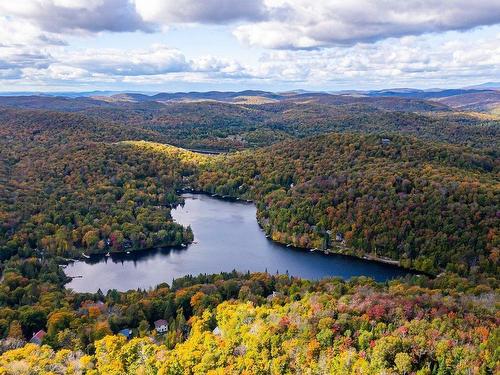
{"points": [[420, 188]]}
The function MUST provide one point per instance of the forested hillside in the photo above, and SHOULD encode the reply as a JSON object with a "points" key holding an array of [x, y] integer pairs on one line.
{"points": [[261, 324], [67, 187], [223, 126], [485, 101], [378, 185], [430, 205]]}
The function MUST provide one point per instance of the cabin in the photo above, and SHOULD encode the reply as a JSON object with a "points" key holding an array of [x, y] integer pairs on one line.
{"points": [[161, 326], [38, 337], [385, 141], [339, 237], [127, 332]]}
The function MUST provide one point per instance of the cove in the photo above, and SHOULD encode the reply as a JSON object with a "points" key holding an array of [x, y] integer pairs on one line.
{"points": [[226, 237]]}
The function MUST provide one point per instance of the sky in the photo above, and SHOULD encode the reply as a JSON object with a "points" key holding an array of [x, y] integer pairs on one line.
{"points": [[275, 45]]}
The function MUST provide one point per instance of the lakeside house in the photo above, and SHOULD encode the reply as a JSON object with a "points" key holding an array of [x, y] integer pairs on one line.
{"points": [[38, 337], [161, 326], [127, 332], [339, 237]]}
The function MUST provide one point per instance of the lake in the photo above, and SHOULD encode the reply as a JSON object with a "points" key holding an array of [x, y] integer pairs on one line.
{"points": [[227, 237]]}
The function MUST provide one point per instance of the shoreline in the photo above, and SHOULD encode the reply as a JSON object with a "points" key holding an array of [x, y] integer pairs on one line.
{"points": [[227, 198], [330, 251], [327, 252]]}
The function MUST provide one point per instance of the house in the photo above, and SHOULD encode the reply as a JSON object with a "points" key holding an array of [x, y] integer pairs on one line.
{"points": [[126, 332], [385, 141], [161, 326], [274, 295], [217, 331], [38, 337], [339, 237]]}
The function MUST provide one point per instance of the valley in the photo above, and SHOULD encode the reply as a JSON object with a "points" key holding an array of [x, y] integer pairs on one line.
{"points": [[235, 187], [226, 237], [100, 181]]}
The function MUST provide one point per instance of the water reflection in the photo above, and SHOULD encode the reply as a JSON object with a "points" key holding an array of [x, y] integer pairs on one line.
{"points": [[133, 257], [227, 237]]}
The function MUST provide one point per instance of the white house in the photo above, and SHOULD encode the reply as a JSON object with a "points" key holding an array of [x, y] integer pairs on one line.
{"points": [[161, 326], [217, 331]]}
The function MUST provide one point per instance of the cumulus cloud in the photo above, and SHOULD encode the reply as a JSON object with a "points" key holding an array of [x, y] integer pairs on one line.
{"points": [[200, 11], [11, 58], [22, 33], [155, 64], [310, 43], [402, 61], [60, 16], [23, 46], [303, 24], [158, 59], [393, 62], [275, 24]]}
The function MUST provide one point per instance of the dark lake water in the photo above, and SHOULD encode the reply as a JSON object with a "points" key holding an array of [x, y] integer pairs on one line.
{"points": [[227, 237]]}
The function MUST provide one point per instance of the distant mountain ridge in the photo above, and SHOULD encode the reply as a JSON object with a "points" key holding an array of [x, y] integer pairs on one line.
{"points": [[248, 97], [480, 98], [425, 94], [215, 94]]}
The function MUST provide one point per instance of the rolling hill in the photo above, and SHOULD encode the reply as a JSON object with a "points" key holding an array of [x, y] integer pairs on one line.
{"points": [[383, 178]]}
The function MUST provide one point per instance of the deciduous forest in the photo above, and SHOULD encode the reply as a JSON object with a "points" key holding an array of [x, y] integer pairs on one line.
{"points": [[403, 180]]}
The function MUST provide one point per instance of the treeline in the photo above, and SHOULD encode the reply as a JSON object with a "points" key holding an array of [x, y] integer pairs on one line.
{"points": [[218, 125], [259, 323], [431, 206], [223, 126], [67, 189], [70, 184]]}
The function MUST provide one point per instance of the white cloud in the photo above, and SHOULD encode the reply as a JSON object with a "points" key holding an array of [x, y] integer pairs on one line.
{"points": [[199, 11], [280, 24], [23, 46], [60, 16], [154, 64], [158, 59], [299, 24], [275, 35], [390, 62], [21, 33], [315, 44]]}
